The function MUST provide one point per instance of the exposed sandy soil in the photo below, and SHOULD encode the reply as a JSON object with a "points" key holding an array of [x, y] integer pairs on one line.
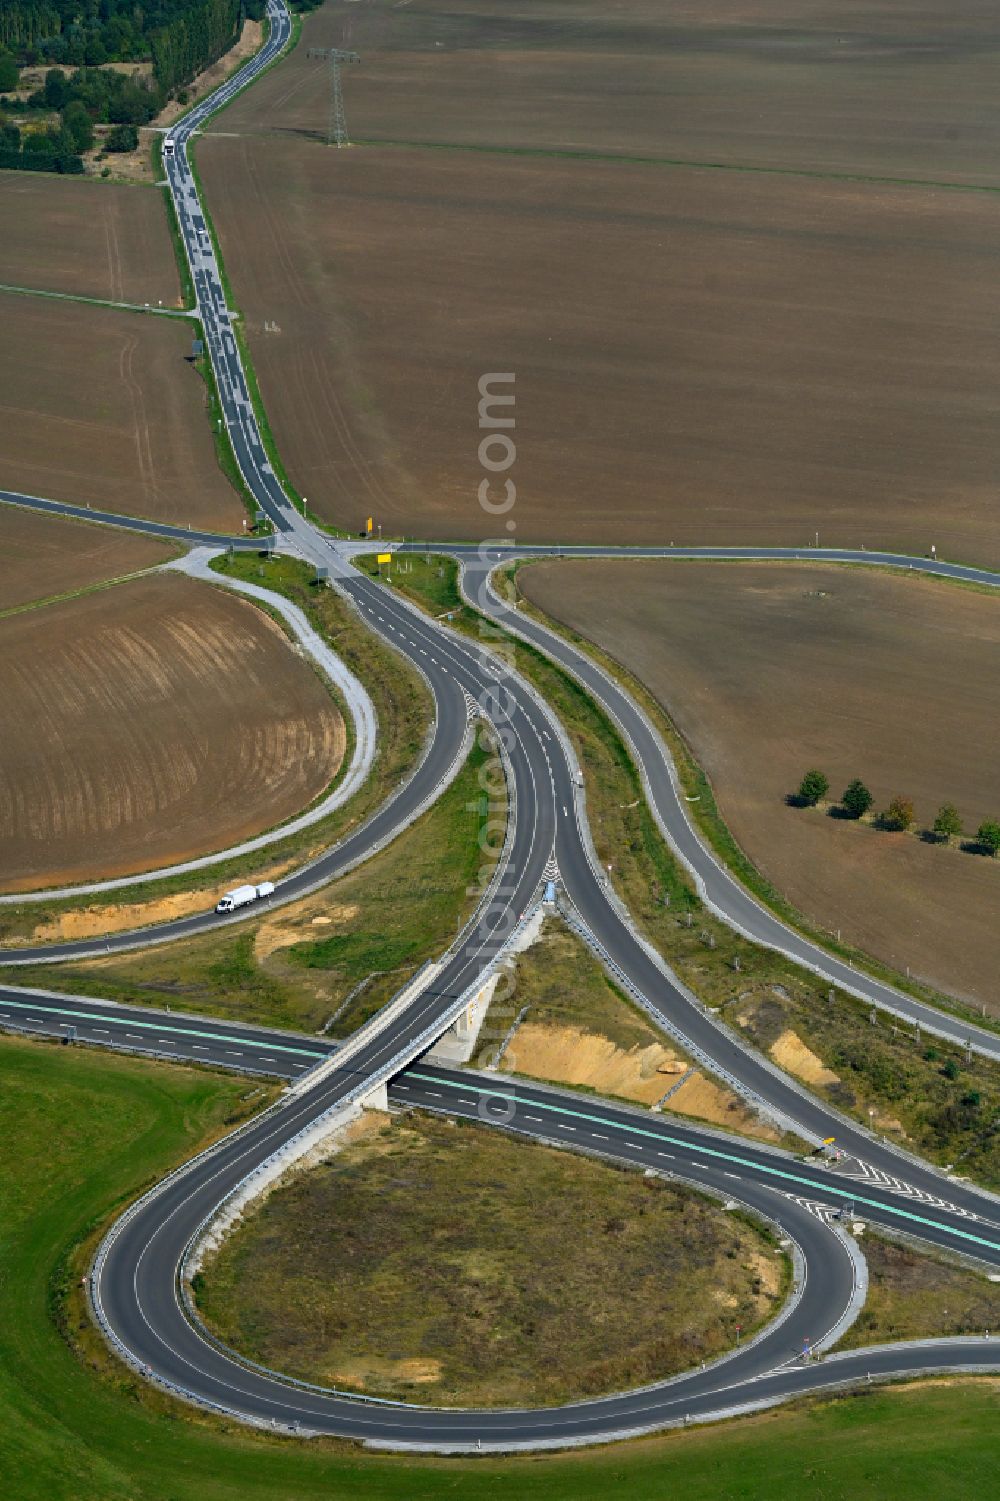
{"points": [[282, 933], [99, 919], [149, 723], [897, 87], [699, 356], [574, 1056], [46, 555], [249, 43], [769, 670], [570, 1055], [791, 1053], [100, 407], [61, 234]]}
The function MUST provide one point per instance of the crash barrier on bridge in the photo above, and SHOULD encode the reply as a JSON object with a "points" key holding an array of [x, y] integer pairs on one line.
{"points": [[383, 1018], [347, 1106], [304, 1140]]}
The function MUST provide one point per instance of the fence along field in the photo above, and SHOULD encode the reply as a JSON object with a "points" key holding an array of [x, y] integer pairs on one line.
{"points": [[148, 723]]}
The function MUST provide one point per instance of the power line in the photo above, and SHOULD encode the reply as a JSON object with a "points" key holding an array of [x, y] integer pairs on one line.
{"points": [[336, 134]]}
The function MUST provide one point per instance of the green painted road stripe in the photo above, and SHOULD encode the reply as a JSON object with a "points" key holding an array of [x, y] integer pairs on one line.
{"points": [[730, 1157], [103, 1016]]}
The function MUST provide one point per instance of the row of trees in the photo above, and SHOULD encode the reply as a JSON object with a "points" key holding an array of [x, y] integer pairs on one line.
{"points": [[103, 93], [857, 800], [179, 38], [39, 151]]}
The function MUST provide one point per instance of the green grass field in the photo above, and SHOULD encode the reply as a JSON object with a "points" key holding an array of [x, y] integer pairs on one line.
{"points": [[82, 1131]]}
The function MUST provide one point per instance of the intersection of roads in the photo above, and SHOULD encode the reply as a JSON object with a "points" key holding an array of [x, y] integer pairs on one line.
{"points": [[137, 1284]]}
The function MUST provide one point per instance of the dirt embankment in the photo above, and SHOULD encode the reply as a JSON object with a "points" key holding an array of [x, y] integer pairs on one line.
{"points": [[137, 166], [570, 1055]]}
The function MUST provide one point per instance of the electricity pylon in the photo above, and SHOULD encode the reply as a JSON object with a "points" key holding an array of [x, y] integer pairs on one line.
{"points": [[336, 134]]}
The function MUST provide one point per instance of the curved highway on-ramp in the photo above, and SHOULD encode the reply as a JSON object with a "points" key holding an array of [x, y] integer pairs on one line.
{"points": [[136, 1284]]}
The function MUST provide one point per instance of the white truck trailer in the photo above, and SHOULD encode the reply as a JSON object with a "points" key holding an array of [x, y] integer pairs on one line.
{"points": [[240, 896]]}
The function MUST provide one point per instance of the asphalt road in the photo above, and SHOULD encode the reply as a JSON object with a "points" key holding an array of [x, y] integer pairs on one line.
{"points": [[135, 1282], [721, 891]]}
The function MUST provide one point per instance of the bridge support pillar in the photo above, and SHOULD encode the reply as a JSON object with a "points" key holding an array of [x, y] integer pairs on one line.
{"points": [[377, 1100], [458, 1043]]}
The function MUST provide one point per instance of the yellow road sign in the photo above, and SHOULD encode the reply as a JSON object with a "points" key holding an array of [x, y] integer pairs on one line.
{"points": [[368, 525], [385, 557]]}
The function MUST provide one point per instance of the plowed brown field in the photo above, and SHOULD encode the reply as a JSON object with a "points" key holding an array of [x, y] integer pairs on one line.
{"points": [[891, 87], [46, 555], [99, 407], [701, 355], [149, 723], [65, 234], [770, 670]]}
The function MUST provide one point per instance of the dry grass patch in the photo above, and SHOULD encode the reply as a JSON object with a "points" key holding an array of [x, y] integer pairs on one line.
{"points": [[419, 1266], [918, 1294]]}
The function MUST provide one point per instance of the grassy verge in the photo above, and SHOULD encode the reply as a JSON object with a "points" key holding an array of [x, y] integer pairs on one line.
{"points": [[919, 1295], [256, 400], [403, 708], [225, 455], [463, 1293], [183, 269], [330, 960], [95, 588], [81, 1429], [942, 1104]]}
